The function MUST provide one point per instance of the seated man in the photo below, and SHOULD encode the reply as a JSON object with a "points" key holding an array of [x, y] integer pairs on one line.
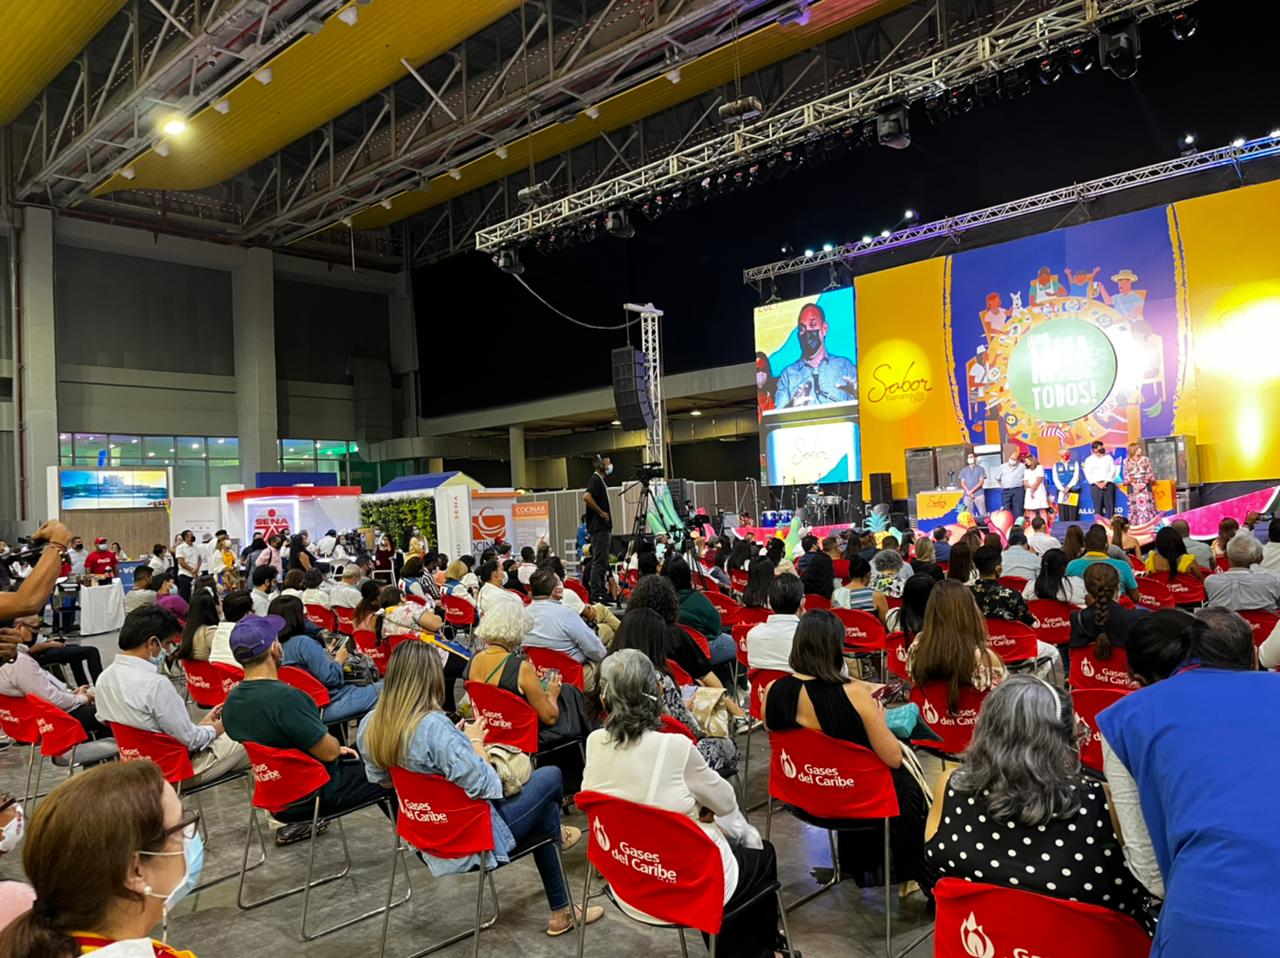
{"points": [[133, 692], [941, 545], [141, 594], [1095, 550], [769, 643], [1020, 559], [1242, 586], [346, 594], [527, 567], [994, 600], [167, 596], [235, 606], [24, 676], [1040, 539], [262, 582], [555, 625]]}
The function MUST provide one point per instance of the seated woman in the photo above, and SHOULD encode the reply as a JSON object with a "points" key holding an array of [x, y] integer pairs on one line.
{"points": [[409, 730], [924, 562], [413, 579], [294, 584], [203, 616], [1171, 557], [960, 567], [858, 594], [697, 611], [886, 573], [908, 618], [952, 646], [394, 617], [454, 573], [312, 591], [367, 607], [1053, 582], [1103, 624], [818, 696], [645, 631], [630, 758], [819, 576], [304, 652], [1121, 539], [493, 591], [759, 577], [1019, 813], [562, 710]]}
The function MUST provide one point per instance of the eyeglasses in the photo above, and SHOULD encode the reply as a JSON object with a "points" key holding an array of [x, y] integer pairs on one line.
{"points": [[187, 827]]}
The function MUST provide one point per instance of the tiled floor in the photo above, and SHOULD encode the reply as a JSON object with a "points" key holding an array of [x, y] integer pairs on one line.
{"points": [[844, 923]]}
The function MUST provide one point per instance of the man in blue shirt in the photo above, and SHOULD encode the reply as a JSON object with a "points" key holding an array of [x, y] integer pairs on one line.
{"points": [[1095, 550], [973, 499], [1010, 476], [816, 378], [558, 627], [941, 547]]}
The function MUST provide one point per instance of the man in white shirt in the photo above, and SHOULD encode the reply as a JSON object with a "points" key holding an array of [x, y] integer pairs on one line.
{"points": [[235, 606], [1203, 554], [769, 643], [1040, 540], [76, 556], [263, 580], [328, 542], [1020, 559], [345, 594], [1270, 548], [527, 567], [191, 560], [1243, 586], [1010, 476], [131, 691], [556, 626], [1100, 473]]}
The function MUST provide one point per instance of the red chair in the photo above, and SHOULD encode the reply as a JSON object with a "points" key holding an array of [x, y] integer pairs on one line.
{"points": [[1261, 621], [62, 739], [758, 681], [682, 678], [863, 633], [1186, 589], [893, 602], [1153, 594], [208, 683], [1087, 704], [571, 671], [739, 578], [437, 817], [1015, 582], [19, 723], [1014, 642], [522, 595], [1090, 672], [414, 598], [751, 616], [895, 655], [724, 604], [699, 639], [1221, 563], [304, 681], [976, 920], [576, 587], [840, 568], [673, 726], [1053, 620], [955, 728], [366, 641], [813, 601], [1135, 563], [512, 721], [285, 777], [324, 618], [346, 619], [682, 885], [458, 613]]}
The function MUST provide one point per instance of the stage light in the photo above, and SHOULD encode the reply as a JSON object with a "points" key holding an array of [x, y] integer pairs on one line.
{"points": [[987, 89], [696, 412], [740, 111], [508, 260], [1183, 25], [833, 278], [1187, 144], [349, 16], [264, 76], [960, 100], [175, 126], [1238, 142], [1049, 69], [1119, 47], [885, 234], [827, 247], [617, 224], [909, 215], [530, 195], [808, 254], [588, 230], [793, 158], [162, 148], [616, 422], [1081, 57], [128, 172], [542, 244], [867, 239], [1275, 134], [1016, 82], [893, 126], [936, 109]]}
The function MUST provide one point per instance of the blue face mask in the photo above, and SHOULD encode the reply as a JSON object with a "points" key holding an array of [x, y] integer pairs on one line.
{"points": [[193, 853], [158, 660]]}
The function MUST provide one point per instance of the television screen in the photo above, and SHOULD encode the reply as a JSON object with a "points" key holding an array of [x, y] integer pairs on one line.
{"points": [[114, 488]]}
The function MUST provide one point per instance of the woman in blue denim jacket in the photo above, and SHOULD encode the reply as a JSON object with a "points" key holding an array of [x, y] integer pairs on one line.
{"points": [[301, 651], [409, 730]]}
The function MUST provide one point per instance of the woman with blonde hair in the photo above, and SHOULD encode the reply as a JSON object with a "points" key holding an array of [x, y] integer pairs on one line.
{"points": [[952, 646], [410, 730]]}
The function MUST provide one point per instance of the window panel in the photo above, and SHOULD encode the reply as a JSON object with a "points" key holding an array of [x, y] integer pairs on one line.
{"points": [[297, 449], [222, 473], [191, 447], [89, 445], [192, 479], [224, 447], [157, 447]]}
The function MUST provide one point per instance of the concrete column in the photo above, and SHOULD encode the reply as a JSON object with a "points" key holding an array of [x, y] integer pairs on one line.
{"points": [[253, 328], [404, 352], [37, 432], [435, 464], [519, 477]]}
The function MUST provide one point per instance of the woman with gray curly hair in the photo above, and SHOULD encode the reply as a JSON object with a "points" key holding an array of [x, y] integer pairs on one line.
{"points": [[631, 759], [1020, 814], [886, 572]]}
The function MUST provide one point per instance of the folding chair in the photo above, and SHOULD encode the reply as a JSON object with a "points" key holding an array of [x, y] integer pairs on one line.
{"points": [[346, 619], [286, 777], [573, 585], [699, 639], [864, 635], [954, 728], [1153, 594], [895, 655], [1053, 620], [458, 613], [543, 660], [366, 641], [682, 884], [751, 616], [1015, 582], [304, 681], [209, 683], [738, 579], [319, 615], [19, 724], [724, 604], [512, 721], [1186, 589], [1090, 672], [976, 920], [1014, 642], [1087, 704], [813, 601], [62, 739], [682, 678], [1262, 622], [435, 816], [758, 680]]}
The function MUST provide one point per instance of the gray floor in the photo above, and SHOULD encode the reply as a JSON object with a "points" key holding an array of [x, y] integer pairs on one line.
{"points": [[846, 921]]}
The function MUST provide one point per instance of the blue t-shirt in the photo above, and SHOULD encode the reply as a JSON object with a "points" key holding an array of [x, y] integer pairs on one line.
{"points": [[1128, 581], [970, 475]]}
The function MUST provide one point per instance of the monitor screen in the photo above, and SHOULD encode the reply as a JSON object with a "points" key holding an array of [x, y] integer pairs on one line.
{"points": [[113, 488]]}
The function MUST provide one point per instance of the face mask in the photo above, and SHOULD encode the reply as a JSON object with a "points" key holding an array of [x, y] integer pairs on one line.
{"points": [[157, 660], [810, 341], [193, 853], [761, 379], [12, 834], [102, 548], [608, 469], [972, 461]]}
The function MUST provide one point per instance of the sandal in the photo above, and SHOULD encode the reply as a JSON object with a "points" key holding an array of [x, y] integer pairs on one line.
{"points": [[569, 836], [593, 914]]}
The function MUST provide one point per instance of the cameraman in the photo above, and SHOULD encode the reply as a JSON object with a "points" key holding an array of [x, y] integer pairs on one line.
{"points": [[31, 596]]}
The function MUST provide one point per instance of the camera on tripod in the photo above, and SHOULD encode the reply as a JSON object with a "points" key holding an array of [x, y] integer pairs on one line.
{"points": [[646, 471], [30, 551]]}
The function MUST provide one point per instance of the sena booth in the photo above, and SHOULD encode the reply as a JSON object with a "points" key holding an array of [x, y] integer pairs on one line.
{"points": [[289, 509]]}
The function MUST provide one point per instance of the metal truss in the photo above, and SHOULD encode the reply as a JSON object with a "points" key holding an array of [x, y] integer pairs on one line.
{"points": [[953, 226], [1007, 44]]}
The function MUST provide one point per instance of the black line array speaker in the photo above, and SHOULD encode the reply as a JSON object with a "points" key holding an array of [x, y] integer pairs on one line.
{"points": [[631, 388], [881, 488]]}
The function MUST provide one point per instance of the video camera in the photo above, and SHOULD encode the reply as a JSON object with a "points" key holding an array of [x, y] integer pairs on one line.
{"points": [[29, 552], [646, 471]]}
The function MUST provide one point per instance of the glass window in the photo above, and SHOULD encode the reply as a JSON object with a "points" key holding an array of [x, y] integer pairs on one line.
{"points": [[330, 464], [224, 447], [222, 473], [191, 447], [89, 446], [192, 479], [157, 447], [65, 451], [330, 449], [299, 465], [297, 449]]}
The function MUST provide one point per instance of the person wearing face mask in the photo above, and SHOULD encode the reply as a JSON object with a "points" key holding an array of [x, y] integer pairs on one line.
{"points": [[15, 896], [102, 561], [972, 480], [599, 528], [766, 385], [102, 890], [816, 378], [1011, 475], [1066, 479]]}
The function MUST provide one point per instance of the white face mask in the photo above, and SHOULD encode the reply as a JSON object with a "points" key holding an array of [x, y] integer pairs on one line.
{"points": [[12, 834], [608, 469]]}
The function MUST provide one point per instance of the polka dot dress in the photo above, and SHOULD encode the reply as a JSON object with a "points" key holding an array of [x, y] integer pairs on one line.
{"points": [[1076, 857]]}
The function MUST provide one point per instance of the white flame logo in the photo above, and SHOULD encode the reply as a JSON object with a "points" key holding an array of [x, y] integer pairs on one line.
{"points": [[788, 766], [929, 712], [901, 653], [975, 941], [601, 836], [1086, 668]]}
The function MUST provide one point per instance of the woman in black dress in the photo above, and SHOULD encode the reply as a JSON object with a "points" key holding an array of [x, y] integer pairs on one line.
{"points": [[817, 696]]}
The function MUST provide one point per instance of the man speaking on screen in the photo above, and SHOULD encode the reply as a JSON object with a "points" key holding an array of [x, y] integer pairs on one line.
{"points": [[816, 378]]}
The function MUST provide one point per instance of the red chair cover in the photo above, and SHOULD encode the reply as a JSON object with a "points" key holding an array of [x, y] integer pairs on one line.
{"points": [[812, 601], [319, 615], [209, 682], [740, 640], [1153, 594], [573, 585], [1135, 563], [366, 641], [829, 778], [673, 726], [750, 616], [723, 603], [759, 680], [1185, 589], [1221, 563], [458, 611], [1261, 622], [954, 728], [893, 602], [699, 639], [571, 671], [167, 752], [346, 619], [895, 654], [304, 681], [977, 920], [862, 630], [283, 776], [1088, 703], [59, 732], [415, 599], [18, 720], [657, 861], [841, 569], [1012, 641], [512, 720], [1090, 672], [437, 817], [1015, 582], [738, 579], [1053, 620], [681, 677]]}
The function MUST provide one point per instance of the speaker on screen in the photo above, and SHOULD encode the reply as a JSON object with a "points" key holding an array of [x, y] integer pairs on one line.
{"points": [[631, 388]]}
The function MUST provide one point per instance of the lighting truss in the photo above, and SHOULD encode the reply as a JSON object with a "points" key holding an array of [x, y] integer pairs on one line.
{"points": [[953, 226], [1007, 45], [651, 346]]}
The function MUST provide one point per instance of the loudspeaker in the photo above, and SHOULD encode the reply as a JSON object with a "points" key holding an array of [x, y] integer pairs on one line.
{"points": [[881, 488], [900, 521], [680, 491], [631, 388]]}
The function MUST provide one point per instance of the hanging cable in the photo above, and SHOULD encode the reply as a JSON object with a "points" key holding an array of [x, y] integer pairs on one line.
{"points": [[577, 322]]}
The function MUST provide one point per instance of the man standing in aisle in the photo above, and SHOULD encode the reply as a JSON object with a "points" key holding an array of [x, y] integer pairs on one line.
{"points": [[1100, 473], [189, 559], [1010, 476], [972, 478], [599, 527]]}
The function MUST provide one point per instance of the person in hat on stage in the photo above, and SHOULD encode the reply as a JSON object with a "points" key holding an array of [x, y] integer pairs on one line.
{"points": [[1127, 300]]}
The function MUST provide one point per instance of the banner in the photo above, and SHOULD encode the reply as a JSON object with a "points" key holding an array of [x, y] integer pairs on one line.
{"points": [[453, 519], [491, 518], [532, 522]]}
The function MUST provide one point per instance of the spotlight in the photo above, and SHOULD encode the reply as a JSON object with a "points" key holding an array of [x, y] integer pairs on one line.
{"points": [[987, 89], [534, 193], [827, 247], [508, 260], [909, 215], [615, 422], [885, 234], [1081, 57], [222, 106], [936, 109], [588, 230], [868, 133], [696, 412], [128, 172], [1016, 82], [786, 249], [960, 100], [808, 253], [867, 239], [1187, 144], [738, 112], [162, 148], [349, 16], [1275, 134], [1183, 25], [833, 278], [543, 245], [1049, 69], [1119, 46], [1238, 142], [893, 126], [617, 224], [794, 159], [175, 126], [263, 76]]}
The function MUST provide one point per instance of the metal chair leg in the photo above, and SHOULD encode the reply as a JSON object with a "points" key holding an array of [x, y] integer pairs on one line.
{"points": [[586, 897], [684, 948], [825, 886], [346, 852], [782, 915], [253, 822]]}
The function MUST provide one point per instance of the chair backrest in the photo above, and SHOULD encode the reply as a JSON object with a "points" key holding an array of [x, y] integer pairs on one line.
{"points": [[829, 778], [955, 728], [1261, 622], [699, 639], [413, 598], [895, 654], [512, 721], [571, 671], [283, 776], [209, 682], [304, 681], [437, 817], [1221, 563], [1015, 582], [1053, 620], [1012, 641], [521, 595], [840, 570], [1153, 594], [751, 616], [893, 601], [1087, 704], [1186, 589], [1090, 672], [862, 630], [739, 578], [366, 641], [657, 861], [346, 618], [1135, 563], [319, 615], [682, 678], [759, 680], [167, 752], [673, 726], [18, 720], [976, 920], [458, 611], [740, 632], [725, 604], [59, 732], [813, 601], [573, 585]]}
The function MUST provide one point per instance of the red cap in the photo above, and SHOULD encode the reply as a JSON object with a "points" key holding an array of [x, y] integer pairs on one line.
{"points": [[101, 540]]}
